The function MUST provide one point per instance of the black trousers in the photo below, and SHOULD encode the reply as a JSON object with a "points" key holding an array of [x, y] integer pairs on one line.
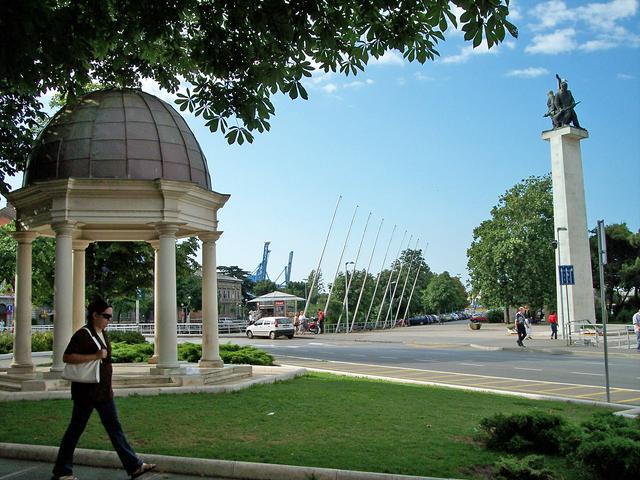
{"points": [[522, 333]]}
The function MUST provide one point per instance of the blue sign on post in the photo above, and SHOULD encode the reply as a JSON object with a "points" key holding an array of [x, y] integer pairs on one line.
{"points": [[566, 275], [9, 308]]}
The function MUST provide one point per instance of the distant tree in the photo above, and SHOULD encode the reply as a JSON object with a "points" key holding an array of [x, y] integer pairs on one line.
{"points": [[511, 260], [412, 261], [263, 287], [235, 54], [622, 271], [444, 294]]}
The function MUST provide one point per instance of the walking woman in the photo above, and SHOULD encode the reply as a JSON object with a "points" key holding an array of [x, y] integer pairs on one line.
{"points": [[99, 396]]}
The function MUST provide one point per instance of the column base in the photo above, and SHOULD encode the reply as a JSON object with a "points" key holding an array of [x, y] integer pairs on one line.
{"points": [[21, 369], [210, 364], [52, 374], [167, 371]]}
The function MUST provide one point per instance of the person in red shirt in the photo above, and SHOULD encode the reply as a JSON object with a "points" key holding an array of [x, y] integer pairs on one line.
{"points": [[321, 320], [553, 321]]}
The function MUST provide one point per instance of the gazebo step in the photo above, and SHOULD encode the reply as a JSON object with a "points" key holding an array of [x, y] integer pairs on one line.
{"points": [[228, 373], [121, 381], [7, 385]]}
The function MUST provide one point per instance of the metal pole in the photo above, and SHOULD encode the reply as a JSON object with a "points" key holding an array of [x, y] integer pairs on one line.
{"points": [[344, 247], [348, 285], [384, 295], [415, 280], [395, 287], [375, 290], [366, 275], [602, 256], [315, 274], [559, 286], [404, 287]]}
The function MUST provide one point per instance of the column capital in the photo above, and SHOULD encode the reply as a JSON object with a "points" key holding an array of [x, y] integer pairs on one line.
{"points": [[63, 229], [155, 244], [24, 236], [167, 228], [210, 236], [80, 245]]}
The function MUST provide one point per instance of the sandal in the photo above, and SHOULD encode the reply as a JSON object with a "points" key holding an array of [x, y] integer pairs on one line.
{"points": [[142, 469], [66, 477]]}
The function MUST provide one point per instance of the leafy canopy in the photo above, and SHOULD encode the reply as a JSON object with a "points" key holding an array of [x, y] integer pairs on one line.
{"points": [[235, 53]]}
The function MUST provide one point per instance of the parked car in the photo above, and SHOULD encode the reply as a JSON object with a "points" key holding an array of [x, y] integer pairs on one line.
{"points": [[271, 327], [479, 317]]}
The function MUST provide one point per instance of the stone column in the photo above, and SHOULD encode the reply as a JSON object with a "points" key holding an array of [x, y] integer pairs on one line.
{"points": [[22, 360], [79, 249], [210, 344], [167, 346], [156, 275], [63, 293], [570, 222]]}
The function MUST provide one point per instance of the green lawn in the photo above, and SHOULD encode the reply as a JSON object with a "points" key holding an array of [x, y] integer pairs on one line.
{"points": [[317, 420]]}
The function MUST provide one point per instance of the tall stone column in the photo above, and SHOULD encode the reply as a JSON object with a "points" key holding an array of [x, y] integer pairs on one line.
{"points": [[63, 293], [167, 319], [210, 343], [156, 275], [570, 222], [22, 360], [79, 249]]}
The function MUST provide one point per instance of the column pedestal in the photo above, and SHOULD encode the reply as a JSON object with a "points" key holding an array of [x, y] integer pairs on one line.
{"points": [[22, 360], [210, 343], [570, 222]]}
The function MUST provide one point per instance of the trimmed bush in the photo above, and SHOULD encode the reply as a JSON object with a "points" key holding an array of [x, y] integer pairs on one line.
{"points": [[537, 431], [126, 353], [42, 341], [603, 425], [530, 467], [229, 352], [131, 338], [190, 352], [6, 342], [611, 457], [495, 316]]}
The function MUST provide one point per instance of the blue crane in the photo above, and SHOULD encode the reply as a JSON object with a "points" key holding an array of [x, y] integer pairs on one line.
{"points": [[260, 273]]}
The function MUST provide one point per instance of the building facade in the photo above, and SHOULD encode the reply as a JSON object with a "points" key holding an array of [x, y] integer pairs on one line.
{"points": [[229, 297]]}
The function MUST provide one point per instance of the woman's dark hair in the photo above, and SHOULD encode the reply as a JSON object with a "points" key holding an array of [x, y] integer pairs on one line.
{"points": [[98, 305]]}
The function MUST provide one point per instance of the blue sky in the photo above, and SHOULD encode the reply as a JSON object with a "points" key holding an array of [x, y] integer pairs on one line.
{"points": [[432, 147]]}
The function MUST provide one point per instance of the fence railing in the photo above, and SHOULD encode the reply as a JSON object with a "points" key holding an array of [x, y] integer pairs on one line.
{"points": [[592, 335], [147, 329]]}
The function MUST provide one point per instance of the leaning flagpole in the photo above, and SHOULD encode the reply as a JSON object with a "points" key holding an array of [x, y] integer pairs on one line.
{"points": [[366, 275], [375, 290], [384, 295], [404, 287], [315, 274], [415, 280], [395, 287]]}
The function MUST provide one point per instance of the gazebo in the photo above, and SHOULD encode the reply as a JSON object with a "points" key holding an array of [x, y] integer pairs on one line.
{"points": [[117, 165], [276, 303]]}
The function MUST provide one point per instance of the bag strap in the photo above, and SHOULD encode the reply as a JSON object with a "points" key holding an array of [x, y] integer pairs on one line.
{"points": [[95, 340]]}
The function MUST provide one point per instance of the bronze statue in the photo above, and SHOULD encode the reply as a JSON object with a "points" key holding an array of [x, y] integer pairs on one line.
{"points": [[561, 110]]}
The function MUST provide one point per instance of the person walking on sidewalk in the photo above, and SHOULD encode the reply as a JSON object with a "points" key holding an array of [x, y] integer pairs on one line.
{"points": [[520, 326], [99, 396], [636, 326], [553, 321]]}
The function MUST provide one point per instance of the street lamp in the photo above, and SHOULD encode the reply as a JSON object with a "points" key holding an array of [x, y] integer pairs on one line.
{"points": [[346, 291]]}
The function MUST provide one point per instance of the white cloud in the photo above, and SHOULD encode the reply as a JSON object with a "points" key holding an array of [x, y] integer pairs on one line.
{"points": [[390, 57], [550, 14], [599, 44], [531, 72], [422, 77], [624, 76], [559, 41], [330, 88], [468, 51], [369, 81], [152, 87], [605, 15], [354, 84]]}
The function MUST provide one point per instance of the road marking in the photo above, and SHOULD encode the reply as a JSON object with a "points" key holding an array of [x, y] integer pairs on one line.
{"points": [[629, 400], [423, 361], [390, 358], [356, 355], [567, 388], [471, 364], [15, 474], [317, 344], [531, 369], [592, 374]]}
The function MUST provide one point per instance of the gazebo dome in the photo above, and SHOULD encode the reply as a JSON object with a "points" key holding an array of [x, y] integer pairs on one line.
{"points": [[120, 134]]}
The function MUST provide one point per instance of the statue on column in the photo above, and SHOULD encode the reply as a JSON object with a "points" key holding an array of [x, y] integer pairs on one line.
{"points": [[561, 106]]}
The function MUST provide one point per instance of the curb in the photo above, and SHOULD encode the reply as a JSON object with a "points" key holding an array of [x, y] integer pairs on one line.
{"points": [[199, 466]]}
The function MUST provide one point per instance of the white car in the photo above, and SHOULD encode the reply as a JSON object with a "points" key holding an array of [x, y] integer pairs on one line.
{"points": [[271, 327]]}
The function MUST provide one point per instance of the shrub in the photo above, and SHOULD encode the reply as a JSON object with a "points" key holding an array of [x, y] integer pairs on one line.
{"points": [[126, 353], [537, 431], [229, 352], [610, 457], [604, 425], [530, 467], [131, 338], [625, 315], [6, 342], [495, 316], [42, 341], [190, 352]]}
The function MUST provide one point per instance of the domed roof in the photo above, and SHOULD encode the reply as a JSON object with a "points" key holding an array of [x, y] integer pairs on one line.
{"points": [[121, 133]]}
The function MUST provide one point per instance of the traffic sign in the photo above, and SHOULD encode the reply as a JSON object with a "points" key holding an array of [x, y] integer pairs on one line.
{"points": [[9, 308], [566, 275]]}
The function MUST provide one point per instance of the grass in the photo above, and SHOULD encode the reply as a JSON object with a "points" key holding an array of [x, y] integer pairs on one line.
{"points": [[317, 420]]}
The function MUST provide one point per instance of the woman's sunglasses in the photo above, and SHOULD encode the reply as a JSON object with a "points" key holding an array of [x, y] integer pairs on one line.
{"points": [[106, 316]]}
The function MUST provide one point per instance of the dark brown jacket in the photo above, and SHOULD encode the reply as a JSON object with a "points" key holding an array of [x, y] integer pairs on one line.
{"points": [[81, 343]]}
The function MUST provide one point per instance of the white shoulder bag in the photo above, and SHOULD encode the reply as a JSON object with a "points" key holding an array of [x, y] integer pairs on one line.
{"points": [[85, 372]]}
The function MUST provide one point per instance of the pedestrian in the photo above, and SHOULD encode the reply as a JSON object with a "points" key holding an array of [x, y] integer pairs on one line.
{"points": [[636, 326], [321, 320], [520, 326], [553, 321], [83, 347], [528, 326], [296, 322], [303, 322]]}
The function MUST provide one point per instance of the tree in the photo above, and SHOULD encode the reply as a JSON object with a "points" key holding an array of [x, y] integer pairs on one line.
{"points": [[263, 287], [444, 294], [235, 54], [412, 260], [622, 271], [511, 260]]}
